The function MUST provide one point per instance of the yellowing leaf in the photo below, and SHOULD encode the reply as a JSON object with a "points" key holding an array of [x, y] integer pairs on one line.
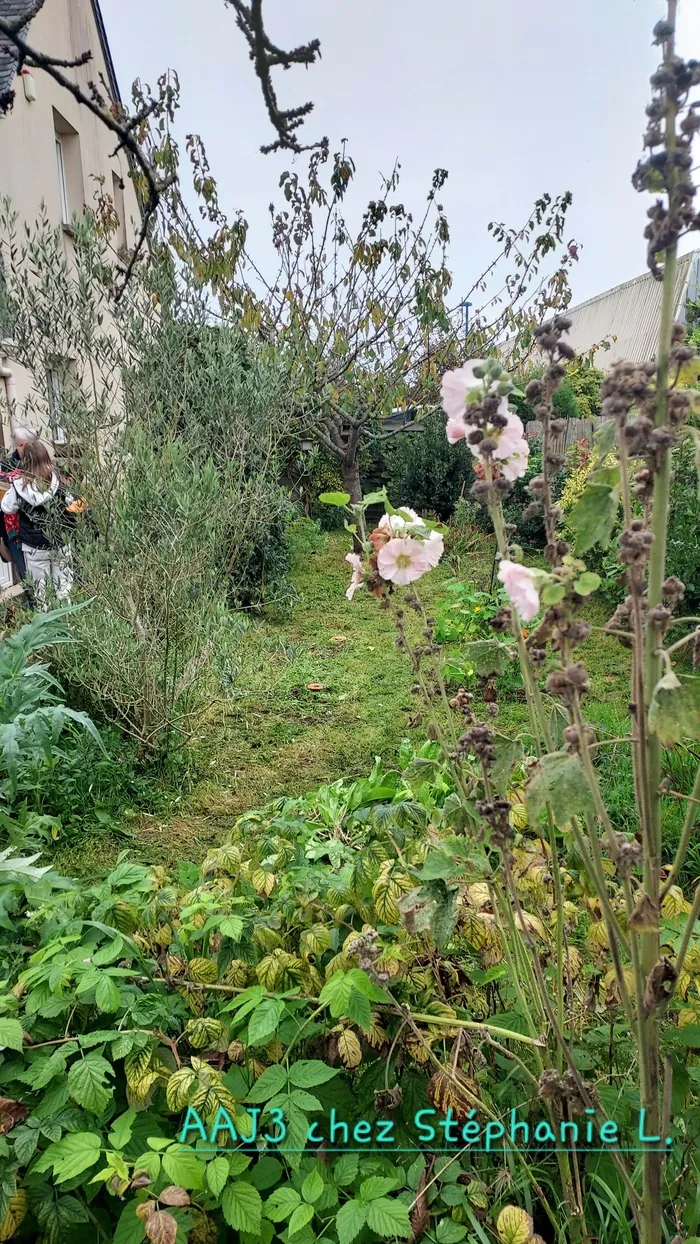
{"points": [[527, 923], [514, 1226], [179, 1087], [675, 903], [390, 885], [203, 1033], [136, 1065], [349, 1048], [475, 930], [597, 936], [14, 1217], [518, 816], [316, 939], [203, 971], [685, 980], [478, 895], [262, 881], [610, 984], [450, 1089], [573, 961], [375, 1035], [418, 1049]]}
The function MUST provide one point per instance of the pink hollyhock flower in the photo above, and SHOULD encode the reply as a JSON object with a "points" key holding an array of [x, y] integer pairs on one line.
{"points": [[519, 582], [403, 560], [456, 385], [414, 526], [396, 524], [357, 571], [512, 449], [515, 465], [455, 430]]}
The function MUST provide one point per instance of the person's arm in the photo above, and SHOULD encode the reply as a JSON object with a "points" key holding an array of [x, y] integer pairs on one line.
{"points": [[10, 502]]}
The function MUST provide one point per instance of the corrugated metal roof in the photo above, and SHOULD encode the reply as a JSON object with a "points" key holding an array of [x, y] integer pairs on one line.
{"points": [[630, 313]]}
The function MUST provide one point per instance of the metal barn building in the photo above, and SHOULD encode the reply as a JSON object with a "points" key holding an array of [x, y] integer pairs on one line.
{"points": [[628, 315]]}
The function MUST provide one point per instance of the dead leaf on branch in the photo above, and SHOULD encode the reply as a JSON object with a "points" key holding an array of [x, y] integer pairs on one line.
{"points": [[660, 984]]}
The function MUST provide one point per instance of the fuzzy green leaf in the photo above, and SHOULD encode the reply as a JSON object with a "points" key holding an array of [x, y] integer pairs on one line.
{"points": [[587, 583], [593, 516], [552, 593], [674, 713], [486, 656], [340, 499], [509, 753], [558, 780]]}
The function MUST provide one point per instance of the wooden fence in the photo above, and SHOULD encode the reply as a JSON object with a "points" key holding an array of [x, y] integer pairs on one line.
{"points": [[575, 430]]}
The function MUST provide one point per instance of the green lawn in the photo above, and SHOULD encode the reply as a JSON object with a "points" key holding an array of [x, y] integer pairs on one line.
{"points": [[276, 736]]}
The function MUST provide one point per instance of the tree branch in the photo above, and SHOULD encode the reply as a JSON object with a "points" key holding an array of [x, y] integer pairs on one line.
{"points": [[266, 56]]}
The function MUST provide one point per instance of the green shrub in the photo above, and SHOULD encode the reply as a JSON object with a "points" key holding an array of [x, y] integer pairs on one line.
{"points": [[150, 566], [423, 471], [252, 986], [311, 473], [35, 725], [530, 531]]}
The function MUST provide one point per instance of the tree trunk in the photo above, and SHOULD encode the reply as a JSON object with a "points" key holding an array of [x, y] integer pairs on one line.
{"points": [[351, 479]]}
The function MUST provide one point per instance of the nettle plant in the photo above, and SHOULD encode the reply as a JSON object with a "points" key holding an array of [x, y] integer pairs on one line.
{"points": [[645, 930]]}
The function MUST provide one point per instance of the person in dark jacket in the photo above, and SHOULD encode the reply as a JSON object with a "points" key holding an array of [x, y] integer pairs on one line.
{"points": [[38, 498]]}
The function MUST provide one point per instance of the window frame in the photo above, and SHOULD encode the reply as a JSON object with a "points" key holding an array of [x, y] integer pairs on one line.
{"points": [[55, 400], [62, 184]]}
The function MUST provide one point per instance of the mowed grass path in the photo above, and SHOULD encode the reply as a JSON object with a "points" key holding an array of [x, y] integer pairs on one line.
{"points": [[273, 736], [276, 735]]}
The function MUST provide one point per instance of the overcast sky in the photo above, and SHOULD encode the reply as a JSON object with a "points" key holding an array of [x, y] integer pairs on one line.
{"points": [[513, 98]]}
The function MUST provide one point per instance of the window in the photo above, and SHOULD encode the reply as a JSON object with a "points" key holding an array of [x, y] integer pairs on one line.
{"points": [[62, 188], [55, 394], [69, 169]]}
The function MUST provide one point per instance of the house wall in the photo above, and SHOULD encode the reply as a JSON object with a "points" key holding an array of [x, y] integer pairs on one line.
{"points": [[28, 156]]}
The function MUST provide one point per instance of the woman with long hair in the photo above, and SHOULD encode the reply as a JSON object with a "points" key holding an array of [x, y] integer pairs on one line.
{"points": [[38, 498]]}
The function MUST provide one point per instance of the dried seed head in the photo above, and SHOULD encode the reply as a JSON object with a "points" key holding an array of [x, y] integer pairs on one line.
{"points": [[673, 590]]}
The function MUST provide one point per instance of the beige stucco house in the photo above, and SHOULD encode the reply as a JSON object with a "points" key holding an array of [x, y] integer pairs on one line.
{"points": [[51, 151]]}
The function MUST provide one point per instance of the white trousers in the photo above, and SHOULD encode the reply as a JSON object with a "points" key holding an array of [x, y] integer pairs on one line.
{"points": [[49, 564]]}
